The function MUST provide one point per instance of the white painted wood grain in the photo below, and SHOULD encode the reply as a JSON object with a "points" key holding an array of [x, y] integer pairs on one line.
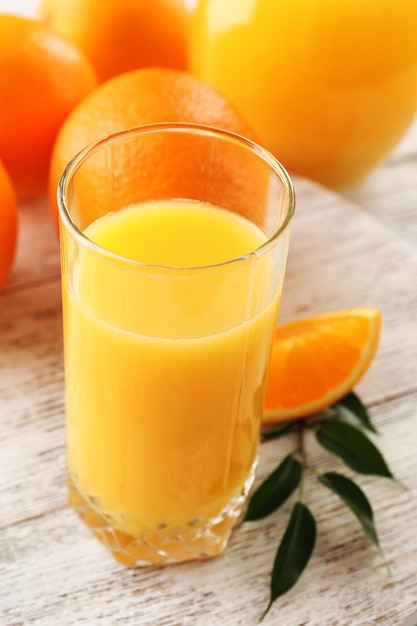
{"points": [[53, 572]]}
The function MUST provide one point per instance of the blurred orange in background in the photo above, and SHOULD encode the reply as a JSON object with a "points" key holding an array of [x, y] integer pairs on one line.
{"points": [[42, 77], [8, 224], [118, 36]]}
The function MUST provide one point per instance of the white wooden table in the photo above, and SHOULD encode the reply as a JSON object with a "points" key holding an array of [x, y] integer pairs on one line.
{"points": [[352, 249]]}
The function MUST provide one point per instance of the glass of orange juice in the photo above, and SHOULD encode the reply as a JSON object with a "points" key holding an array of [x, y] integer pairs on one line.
{"points": [[173, 244]]}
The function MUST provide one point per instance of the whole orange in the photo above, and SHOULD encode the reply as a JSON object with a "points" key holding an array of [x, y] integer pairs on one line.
{"points": [[124, 35], [8, 224], [42, 77], [147, 96]]}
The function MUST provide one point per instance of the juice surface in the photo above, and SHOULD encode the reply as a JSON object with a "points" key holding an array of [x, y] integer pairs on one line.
{"points": [[165, 369]]}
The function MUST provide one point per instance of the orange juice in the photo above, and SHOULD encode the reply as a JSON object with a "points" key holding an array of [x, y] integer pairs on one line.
{"points": [[165, 367], [329, 85]]}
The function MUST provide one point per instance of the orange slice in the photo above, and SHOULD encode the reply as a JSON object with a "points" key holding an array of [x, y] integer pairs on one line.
{"points": [[317, 360]]}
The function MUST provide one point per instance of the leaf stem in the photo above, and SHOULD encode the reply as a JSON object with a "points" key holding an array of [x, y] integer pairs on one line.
{"points": [[266, 611], [313, 470], [301, 448], [302, 453], [384, 558]]}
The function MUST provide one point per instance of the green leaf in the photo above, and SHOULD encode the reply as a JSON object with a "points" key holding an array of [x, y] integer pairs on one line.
{"points": [[354, 498], [273, 492], [351, 409], [277, 431], [294, 552], [353, 447]]}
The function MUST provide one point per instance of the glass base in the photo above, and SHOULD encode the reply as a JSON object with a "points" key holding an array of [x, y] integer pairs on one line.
{"points": [[163, 546]]}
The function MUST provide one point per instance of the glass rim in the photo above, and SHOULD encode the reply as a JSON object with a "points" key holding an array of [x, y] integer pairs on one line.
{"points": [[171, 127]]}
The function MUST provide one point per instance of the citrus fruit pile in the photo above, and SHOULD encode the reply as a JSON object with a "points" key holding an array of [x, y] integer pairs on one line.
{"points": [[52, 102], [85, 69]]}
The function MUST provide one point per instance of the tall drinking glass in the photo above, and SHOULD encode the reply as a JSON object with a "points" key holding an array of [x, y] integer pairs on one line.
{"points": [[174, 241]]}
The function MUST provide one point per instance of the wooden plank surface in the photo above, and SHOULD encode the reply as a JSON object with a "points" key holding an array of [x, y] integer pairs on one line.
{"points": [[53, 572]]}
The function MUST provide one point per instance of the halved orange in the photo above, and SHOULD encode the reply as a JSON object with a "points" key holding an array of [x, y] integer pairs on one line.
{"points": [[317, 360]]}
